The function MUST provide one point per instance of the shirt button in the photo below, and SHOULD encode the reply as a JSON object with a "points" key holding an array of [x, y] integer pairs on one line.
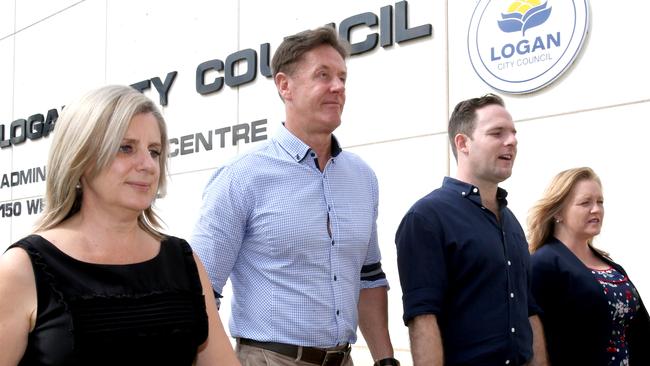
{"points": [[475, 190], [332, 242], [463, 193], [312, 155], [512, 295], [512, 330], [337, 312], [509, 263], [334, 277], [507, 362], [298, 156]]}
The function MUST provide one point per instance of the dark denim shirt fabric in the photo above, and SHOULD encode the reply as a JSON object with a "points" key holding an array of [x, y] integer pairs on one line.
{"points": [[457, 261]]}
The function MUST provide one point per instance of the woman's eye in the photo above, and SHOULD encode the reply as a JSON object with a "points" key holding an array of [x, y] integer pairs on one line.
{"points": [[154, 153], [126, 149]]}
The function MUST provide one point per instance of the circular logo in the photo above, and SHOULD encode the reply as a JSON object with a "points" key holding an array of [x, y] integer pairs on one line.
{"points": [[522, 46]]}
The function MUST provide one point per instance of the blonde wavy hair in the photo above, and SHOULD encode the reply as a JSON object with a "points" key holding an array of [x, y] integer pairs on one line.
{"points": [[86, 139], [541, 217]]}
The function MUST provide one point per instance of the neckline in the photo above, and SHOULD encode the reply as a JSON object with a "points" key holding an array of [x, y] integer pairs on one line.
{"points": [[60, 252], [609, 268]]}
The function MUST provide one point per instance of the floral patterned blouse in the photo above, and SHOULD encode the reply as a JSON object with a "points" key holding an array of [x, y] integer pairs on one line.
{"points": [[623, 301]]}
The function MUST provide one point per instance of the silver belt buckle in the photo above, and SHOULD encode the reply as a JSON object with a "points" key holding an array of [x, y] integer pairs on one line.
{"points": [[335, 358]]}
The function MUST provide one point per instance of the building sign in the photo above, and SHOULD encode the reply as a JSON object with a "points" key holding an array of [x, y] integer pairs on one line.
{"points": [[522, 46]]}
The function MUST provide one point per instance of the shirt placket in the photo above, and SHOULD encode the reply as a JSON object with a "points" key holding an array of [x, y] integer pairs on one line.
{"points": [[334, 253], [511, 298]]}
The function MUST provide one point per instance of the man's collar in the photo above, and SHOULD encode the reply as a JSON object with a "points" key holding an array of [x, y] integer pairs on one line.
{"points": [[471, 191], [296, 148]]}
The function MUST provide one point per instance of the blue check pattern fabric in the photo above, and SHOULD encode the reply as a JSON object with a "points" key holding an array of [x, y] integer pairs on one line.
{"points": [[298, 244]]}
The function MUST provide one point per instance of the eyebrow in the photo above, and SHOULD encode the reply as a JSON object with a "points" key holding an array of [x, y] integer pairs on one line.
{"points": [[327, 68], [130, 141]]}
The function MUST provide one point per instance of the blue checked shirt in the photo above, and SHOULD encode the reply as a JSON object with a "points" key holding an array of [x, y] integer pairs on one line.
{"points": [[264, 224]]}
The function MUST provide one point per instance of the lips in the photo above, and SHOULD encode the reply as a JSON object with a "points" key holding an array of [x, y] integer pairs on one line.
{"points": [[140, 186], [507, 157], [333, 103]]}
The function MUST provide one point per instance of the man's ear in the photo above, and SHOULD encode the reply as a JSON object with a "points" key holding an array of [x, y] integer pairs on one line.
{"points": [[282, 83], [462, 142]]}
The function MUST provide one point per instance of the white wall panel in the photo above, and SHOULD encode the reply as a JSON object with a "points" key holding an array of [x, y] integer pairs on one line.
{"points": [[6, 109], [7, 17], [5, 231], [29, 12]]}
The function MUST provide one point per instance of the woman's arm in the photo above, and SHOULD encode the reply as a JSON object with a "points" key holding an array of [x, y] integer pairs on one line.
{"points": [[217, 349], [17, 304]]}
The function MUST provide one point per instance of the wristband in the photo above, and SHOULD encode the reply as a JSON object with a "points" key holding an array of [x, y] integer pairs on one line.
{"points": [[390, 361]]}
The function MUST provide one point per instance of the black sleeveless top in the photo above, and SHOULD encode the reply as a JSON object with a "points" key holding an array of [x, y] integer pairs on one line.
{"points": [[148, 313]]}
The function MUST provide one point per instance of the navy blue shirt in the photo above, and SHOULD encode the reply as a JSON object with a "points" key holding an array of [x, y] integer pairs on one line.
{"points": [[457, 261]]}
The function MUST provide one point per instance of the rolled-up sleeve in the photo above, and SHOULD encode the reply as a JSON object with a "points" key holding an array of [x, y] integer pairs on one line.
{"points": [[372, 275], [421, 264]]}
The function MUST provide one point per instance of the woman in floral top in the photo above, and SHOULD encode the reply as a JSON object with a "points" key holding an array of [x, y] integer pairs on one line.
{"points": [[592, 313]]}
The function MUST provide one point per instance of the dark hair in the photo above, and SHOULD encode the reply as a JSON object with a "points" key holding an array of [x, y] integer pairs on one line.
{"points": [[294, 47], [463, 118]]}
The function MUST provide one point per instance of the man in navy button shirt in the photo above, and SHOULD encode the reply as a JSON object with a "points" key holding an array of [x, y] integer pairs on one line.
{"points": [[293, 225], [463, 257]]}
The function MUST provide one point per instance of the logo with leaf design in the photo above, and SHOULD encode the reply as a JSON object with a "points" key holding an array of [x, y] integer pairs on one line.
{"points": [[523, 15]]}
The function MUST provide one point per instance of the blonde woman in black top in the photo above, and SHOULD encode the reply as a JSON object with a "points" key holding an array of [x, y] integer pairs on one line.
{"points": [[99, 283]]}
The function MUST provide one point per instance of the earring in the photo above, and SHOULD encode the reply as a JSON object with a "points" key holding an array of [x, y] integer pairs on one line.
{"points": [[78, 186], [557, 221]]}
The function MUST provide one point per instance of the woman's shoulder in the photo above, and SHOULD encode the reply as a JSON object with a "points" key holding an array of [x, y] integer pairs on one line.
{"points": [[547, 252], [174, 243]]}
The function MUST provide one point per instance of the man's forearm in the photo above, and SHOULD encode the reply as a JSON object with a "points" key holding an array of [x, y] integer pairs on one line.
{"points": [[426, 342], [540, 357], [373, 322]]}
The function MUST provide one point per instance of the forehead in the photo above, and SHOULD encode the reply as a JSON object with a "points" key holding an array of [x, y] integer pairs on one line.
{"points": [[586, 187], [493, 116], [143, 126], [322, 56]]}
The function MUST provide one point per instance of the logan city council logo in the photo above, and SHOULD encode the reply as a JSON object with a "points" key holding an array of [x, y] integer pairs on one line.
{"points": [[522, 46]]}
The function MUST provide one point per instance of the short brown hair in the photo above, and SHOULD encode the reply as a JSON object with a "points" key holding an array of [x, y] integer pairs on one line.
{"points": [[294, 47], [463, 118]]}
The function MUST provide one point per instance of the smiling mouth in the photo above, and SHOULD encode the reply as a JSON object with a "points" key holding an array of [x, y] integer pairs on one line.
{"points": [[507, 157]]}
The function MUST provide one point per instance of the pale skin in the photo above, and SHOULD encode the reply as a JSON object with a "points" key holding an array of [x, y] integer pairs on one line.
{"points": [[485, 159], [314, 96], [103, 231]]}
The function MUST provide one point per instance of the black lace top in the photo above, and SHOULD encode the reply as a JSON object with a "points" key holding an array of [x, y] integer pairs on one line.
{"points": [[148, 313]]}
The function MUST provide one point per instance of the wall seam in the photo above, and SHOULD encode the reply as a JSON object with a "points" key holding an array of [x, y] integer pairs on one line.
{"points": [[106, 42], [585, 110], [449, 152], [38, 21]]}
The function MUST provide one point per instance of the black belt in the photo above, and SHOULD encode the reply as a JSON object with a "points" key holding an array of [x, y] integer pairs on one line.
{"points": [[313, 355]]}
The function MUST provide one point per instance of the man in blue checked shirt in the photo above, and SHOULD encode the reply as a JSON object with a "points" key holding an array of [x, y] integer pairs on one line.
{"points": [[293, 224]]}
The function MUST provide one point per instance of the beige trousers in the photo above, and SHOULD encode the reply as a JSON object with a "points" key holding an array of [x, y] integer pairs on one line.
{"points": [[254, 356]]}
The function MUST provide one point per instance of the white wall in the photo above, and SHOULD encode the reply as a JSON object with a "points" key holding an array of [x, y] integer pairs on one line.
{"points": [[399, 99]]}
